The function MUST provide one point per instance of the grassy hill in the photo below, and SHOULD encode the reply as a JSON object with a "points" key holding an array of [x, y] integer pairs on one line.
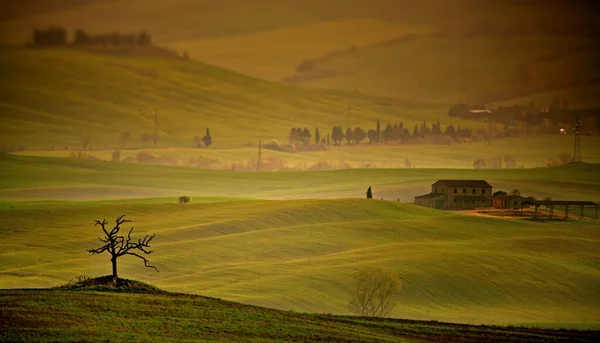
{"points": [[59, 316], [452, 69], [299, 255], [35, 178], [60, 97]]}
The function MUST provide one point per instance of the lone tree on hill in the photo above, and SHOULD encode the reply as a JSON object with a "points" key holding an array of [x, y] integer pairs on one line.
{"points": [[119, 246], [373, 292], [369, 194], [207, 139]]}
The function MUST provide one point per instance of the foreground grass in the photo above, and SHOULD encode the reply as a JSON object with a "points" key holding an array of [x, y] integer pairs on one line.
{"points": [[60, 316], [300, 255]]}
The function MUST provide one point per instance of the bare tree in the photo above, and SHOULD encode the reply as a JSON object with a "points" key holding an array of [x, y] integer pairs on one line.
{"points": [[373, 291], [119, 246]]}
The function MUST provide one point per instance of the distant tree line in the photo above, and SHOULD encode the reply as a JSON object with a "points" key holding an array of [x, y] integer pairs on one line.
{"points": [[59, 36], [392, 133]]}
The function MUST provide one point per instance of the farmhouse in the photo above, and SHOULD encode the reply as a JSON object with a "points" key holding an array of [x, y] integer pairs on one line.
{"points": [[457, 195]]}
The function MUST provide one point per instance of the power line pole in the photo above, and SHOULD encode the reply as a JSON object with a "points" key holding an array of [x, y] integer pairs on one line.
{"points": [[576, 144]]}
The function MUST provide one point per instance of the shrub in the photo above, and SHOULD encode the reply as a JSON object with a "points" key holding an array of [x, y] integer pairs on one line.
{"points": [[373, 291], [184, 199]]}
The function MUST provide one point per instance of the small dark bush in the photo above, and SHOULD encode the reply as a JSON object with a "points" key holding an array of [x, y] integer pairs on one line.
{"points": [[184, 199]]}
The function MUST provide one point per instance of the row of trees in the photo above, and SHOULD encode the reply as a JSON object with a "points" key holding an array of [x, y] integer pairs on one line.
{"points": [[59, 36], [390, 134]]}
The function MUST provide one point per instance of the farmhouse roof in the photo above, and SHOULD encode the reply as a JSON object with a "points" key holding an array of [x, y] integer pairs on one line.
{"points": [[464, 183]]}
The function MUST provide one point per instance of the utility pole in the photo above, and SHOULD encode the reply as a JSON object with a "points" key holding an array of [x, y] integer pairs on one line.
{"points": [[577, 144]]}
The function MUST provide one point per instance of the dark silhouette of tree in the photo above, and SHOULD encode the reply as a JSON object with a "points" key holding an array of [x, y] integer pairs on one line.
{"points": [[207, 139], [415, 133], [369, 194], [49, 37], [259, 159], [349, 135], [372, 136], [359, 135], [144, 38], [118, 246], [337, 135], [378, 131], [450, 131], [124, 139], [306, 136], [500, 193], [154, 138], [317, 136], [387, 135], [145, 139]]}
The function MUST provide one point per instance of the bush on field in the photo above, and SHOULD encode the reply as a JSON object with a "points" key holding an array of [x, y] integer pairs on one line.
{"points": [[184, 199]]}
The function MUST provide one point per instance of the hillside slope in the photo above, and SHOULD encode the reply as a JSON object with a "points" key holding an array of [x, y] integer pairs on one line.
{"points": [[300, 255], [453, 69], [38, 178], [95, 316], [63, 97]]}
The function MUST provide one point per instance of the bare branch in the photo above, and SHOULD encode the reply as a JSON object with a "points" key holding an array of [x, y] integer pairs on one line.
{"points": [[117, 245], [146, 262]]}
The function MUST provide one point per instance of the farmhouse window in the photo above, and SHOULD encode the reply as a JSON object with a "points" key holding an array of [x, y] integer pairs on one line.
{"points": [[483, 191], [435, 190], [474, 191], [464, 191], [455, 191]]}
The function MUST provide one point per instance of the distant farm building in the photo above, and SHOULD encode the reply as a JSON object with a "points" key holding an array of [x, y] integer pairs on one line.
{"points": [[507, 201], [457, 195]]}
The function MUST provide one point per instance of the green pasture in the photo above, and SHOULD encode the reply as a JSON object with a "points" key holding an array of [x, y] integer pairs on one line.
{"points": [[43, 178], [300, 254], [57, 98], [57, 315]]}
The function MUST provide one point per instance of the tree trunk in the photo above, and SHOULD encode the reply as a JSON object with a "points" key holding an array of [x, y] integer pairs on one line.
{"points": [[114, 268]]}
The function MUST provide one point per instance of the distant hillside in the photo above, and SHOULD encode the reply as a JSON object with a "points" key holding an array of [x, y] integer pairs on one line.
{"points": [[65, 97], [455, 69]]}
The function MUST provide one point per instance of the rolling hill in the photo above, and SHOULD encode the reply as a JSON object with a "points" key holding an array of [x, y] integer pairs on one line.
{"points": [[64, 97], [450, 69], [299, 255], [37, 178]]}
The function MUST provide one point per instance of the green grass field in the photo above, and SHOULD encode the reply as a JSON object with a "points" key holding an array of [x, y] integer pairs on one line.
{"points": [[60, 97], [299, 254], [55, 315], [37, 178]]}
